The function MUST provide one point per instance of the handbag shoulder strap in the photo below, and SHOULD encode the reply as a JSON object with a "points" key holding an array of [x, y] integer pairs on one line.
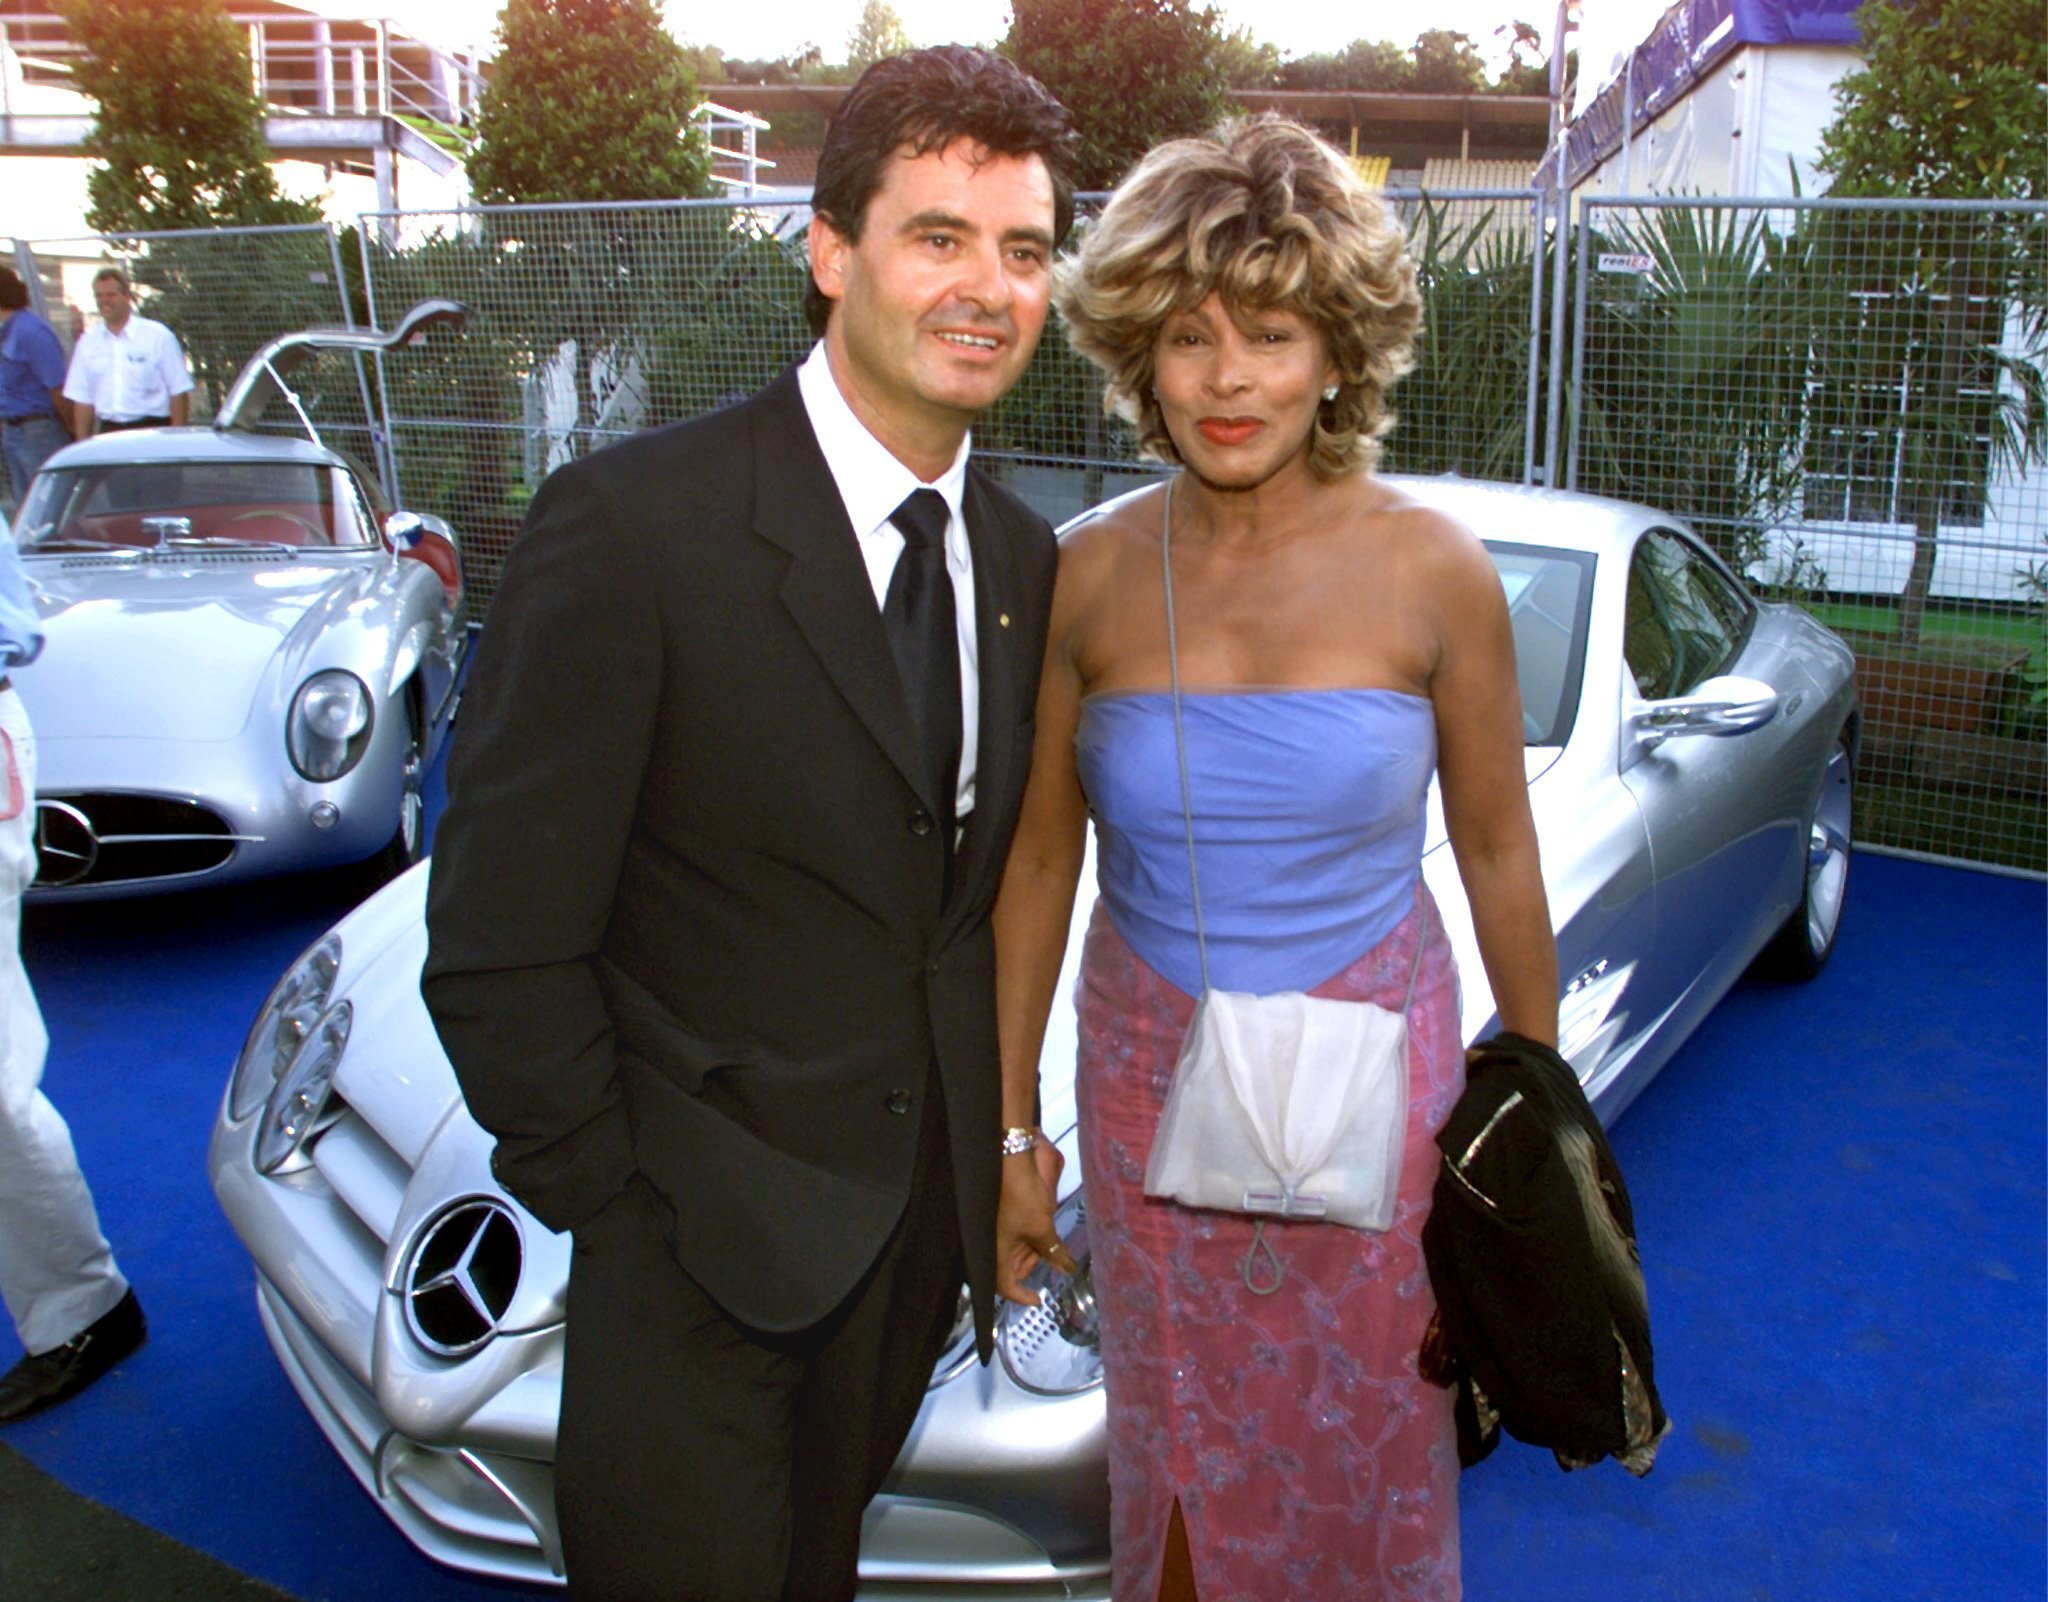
{"points": [[1180, 738], [1180, 750]]}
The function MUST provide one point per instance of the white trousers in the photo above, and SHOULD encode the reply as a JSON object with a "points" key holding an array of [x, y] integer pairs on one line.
{"points": [[57, 1273]]}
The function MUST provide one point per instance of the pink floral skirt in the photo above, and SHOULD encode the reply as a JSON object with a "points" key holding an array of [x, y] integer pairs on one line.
{"points": [[1310, 1461]]}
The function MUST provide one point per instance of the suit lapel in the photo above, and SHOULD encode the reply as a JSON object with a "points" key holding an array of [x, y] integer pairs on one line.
{"points": [[998, 632], [798, 508]]}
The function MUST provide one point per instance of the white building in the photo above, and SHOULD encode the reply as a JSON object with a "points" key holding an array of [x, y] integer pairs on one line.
{"points": [[1730, 98], [1721, 97], [361, 115]]}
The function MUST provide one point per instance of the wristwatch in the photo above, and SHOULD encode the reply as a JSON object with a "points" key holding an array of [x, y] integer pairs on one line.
{"points": [[1020, 1138]]}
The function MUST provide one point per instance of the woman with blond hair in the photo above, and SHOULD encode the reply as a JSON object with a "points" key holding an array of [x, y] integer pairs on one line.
{"points": [[1255, 667]]}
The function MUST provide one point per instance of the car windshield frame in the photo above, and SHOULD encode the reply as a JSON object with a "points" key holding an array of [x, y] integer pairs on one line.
{"points": [[193, 504], [1552, 579]]}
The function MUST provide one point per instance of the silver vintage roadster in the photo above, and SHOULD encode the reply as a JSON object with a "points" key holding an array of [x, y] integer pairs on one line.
{"points": [[1689, 753], [251, 659]]}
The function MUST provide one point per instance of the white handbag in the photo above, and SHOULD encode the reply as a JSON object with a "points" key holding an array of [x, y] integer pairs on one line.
{"points": [[1287, 1105]]}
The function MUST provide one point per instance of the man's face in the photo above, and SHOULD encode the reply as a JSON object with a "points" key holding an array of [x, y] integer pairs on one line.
{"points": [[111, 296], [940, 302]]}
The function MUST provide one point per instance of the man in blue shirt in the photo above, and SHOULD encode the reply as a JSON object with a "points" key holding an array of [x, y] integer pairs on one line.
{"points": [[74, 1312], [32, 404]]}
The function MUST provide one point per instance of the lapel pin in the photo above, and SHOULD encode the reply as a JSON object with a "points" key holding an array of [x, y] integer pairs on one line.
{"points": [[1002, 620]]}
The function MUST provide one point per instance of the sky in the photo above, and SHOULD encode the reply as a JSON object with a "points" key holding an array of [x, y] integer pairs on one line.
{"points": [[1299, 27]]}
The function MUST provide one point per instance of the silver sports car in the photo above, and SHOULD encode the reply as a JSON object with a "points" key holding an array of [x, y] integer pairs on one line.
{"points": [[251, 659], [1689, 755]]}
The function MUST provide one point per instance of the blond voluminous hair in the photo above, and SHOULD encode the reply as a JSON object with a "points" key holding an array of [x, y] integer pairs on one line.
{"points": [[1268, 216]]}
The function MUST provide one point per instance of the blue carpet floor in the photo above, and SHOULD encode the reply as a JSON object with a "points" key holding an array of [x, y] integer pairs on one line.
{"points": [[1840, 1189]]}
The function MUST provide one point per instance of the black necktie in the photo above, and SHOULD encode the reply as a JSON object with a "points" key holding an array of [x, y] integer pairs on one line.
{"points": [[918, 613]]}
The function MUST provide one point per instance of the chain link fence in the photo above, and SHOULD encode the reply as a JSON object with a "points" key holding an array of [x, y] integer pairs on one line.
{"points": [[589, 322], [1845, 398], [586, 323]]}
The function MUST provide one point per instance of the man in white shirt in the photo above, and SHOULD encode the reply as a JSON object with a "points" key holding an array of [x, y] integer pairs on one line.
{"points": [[130, 371]]}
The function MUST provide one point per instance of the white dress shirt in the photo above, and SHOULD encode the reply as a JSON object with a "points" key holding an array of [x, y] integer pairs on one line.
{"points": [[130, 374], [873, 483]]}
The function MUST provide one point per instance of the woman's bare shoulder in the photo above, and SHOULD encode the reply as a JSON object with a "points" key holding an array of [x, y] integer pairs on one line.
{"points": [[1444, 548], [1101, 540]]}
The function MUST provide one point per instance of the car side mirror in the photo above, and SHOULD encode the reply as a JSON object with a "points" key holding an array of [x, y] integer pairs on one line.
{"points": [[1720, 708], [403, 530]]}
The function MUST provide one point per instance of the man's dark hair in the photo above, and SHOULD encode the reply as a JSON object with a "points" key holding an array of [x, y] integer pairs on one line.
{"points": [[114, 274], [923, 101], [13, 292]]}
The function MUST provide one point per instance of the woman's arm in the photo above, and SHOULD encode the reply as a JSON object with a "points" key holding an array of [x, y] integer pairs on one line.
{"points": [[1485, 786], [1032, 913]]}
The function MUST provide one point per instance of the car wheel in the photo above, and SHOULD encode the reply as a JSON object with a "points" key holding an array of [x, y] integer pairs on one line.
{"points": [[1801, 949]]}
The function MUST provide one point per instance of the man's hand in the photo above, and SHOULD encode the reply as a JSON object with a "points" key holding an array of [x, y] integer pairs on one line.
{"points": [[1024, 1227]]}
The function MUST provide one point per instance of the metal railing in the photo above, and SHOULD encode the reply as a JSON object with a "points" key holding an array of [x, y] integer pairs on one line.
{"points": [[301, 65], [737, 164]]}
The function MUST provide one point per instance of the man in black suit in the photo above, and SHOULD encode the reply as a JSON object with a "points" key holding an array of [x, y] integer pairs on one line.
{"points": [[738, 765]]}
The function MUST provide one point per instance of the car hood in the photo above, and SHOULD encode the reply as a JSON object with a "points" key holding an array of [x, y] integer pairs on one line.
{"points": [[174, 649], [395, 1073]]}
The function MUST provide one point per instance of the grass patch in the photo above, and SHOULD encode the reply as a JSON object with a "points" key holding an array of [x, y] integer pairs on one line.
{"points": [[2006, 829], [2010, 633]]}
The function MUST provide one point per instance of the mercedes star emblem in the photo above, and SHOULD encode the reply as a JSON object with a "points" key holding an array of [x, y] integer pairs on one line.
{"points": [[462, 1276]]}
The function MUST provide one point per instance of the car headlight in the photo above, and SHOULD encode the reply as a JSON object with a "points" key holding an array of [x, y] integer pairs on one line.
{"points": [[287, 1018], [299, 1098], [1052, 1349], [329, 729]]}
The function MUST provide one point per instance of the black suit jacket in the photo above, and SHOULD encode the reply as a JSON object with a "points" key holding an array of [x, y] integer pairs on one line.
{"points": [[686, 916]]}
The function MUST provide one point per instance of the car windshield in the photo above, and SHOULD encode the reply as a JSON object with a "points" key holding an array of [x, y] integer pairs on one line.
{"points": [[1549, 592], [148, 505]]}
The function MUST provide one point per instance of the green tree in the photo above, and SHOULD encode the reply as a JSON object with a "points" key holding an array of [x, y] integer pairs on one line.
{"points": [[1247, 63], [1446, 64], [1947, 104], [706, 64], [178, 138], [591, 100], [1131, 72], [1438, 63], [1368, 65], [879, 35], [1528, 68]]}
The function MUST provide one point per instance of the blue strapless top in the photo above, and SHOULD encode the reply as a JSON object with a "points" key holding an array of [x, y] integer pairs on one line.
{"points": [[1309, 818]]}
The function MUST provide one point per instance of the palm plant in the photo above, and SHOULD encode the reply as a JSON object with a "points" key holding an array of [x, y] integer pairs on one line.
{"points": [[1462, 410], [1695, 372]]}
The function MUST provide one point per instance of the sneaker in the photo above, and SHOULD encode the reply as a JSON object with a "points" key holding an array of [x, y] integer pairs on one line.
{"points": [[50, 1377]]}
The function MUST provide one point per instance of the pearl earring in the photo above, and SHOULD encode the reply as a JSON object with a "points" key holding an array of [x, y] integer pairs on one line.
{"points": [[1330, 394]]}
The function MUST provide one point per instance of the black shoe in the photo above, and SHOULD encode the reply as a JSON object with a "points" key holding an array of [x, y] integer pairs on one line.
{"points": [[38, 1382]]}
